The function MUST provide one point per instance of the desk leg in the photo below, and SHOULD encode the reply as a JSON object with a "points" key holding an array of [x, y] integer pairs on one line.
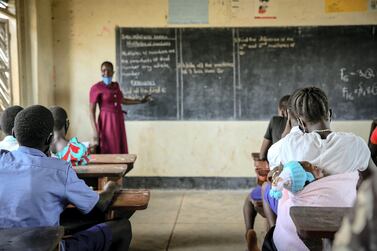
{"points": [[102, 181]]}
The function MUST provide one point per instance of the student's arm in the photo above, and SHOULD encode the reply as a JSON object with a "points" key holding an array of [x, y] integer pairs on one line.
{"points": [[92, 110], [127, 101], [266, 144], [363, 175], [106, 196]]}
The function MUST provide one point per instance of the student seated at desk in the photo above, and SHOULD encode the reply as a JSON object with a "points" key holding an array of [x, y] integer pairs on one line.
{"points": [[35, 189], [7, 122], [339, 155], [72, 150], [273, 133]]}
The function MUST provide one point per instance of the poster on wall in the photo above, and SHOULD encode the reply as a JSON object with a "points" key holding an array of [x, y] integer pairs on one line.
{"points": [[332, 6], [188, 12], [265, 9]]}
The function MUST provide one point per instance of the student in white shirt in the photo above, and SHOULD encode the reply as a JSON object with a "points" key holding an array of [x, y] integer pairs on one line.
{"points": [[9, 143], [338, 154]]}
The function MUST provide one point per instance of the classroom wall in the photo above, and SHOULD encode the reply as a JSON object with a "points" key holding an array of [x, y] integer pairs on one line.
{"points": [[83, 34], [35, 50]]}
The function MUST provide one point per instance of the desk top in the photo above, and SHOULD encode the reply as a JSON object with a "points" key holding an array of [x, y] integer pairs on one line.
{"points": [[102, 170], [31, 238], [318, 222], [112, 159], [129, 199], [132, 199]]}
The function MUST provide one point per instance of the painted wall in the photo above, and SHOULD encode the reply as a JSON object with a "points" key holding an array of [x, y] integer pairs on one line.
{"points": [[84, 36], [35, 51]]}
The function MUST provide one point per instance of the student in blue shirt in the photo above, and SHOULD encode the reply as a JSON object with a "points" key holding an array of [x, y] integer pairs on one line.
{"points": [[35, 189]]}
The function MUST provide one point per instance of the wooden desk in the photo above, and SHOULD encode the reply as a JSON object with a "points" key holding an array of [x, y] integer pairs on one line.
{"points": [[128, 159], [102, 172], [131, 199], [316, 223], [31, 238]]}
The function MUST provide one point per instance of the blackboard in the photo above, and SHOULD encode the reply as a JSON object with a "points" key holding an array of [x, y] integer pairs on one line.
{"points": [[240, 73]]}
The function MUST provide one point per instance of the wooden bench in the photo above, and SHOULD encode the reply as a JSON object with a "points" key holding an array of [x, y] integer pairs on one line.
{"points": [[317, 226], [101, 173], [128, 159], [31, 238]]}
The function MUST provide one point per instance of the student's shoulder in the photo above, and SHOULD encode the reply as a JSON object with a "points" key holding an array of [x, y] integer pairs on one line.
{"points": [[347, 137], [277, 119], [56, 164]]}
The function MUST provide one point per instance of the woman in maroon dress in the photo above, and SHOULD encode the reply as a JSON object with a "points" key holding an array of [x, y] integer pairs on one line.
{"points": [[109, 132]]}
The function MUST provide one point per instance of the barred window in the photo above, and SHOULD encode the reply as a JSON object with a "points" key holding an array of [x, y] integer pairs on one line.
{"points": [[5, 80]]}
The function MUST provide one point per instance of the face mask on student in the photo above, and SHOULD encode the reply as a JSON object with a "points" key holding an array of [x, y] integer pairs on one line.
{"points": [[107, 80]]}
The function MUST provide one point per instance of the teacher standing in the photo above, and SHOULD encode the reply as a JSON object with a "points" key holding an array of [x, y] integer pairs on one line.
{"points": [[109, 133]]}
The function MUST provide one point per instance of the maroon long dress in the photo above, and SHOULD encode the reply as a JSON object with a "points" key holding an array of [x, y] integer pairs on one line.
{"points": [[111, 129]]}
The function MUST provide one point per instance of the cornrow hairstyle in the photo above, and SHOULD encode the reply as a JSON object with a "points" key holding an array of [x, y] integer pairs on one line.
{"points": [[108, 63], [310, 103], [33, 125], [283, 102], [7, 118], [60, 117]]}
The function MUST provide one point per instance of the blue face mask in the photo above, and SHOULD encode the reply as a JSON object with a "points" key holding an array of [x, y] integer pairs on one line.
{"points": [[107, 80]]}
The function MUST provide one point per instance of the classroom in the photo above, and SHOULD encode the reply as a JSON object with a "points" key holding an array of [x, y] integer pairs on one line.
{"points": [[193, 87]]}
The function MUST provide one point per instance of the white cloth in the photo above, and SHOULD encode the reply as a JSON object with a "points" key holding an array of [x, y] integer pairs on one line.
{"points": [[9, 143], [339, 153], [331, 191]]}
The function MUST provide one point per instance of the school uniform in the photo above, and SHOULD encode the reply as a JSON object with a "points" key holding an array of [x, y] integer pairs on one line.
{"points": [[340, 155], [35, 189], [75, 152], [340, 152], [9, 143]]}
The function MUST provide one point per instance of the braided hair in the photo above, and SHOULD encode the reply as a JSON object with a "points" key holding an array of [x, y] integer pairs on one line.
{"points": [[310, 103]]}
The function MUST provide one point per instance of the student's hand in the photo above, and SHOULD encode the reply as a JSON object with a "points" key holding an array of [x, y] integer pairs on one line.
{"points": [[146, 98], [107, 195]]}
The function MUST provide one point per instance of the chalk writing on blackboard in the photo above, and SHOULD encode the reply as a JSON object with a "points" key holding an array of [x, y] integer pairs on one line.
{"points": [[367, 83], [204, 67], [262, 42]]}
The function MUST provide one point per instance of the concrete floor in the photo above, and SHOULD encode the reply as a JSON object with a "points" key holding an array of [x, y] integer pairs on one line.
{"points": [[196, 220]]}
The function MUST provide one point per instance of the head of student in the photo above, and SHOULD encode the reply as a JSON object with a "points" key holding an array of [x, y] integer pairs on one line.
{"points": [[7, 119], [310, 105], [61, 122], [33, 127], [107, 71], [283, 106]]}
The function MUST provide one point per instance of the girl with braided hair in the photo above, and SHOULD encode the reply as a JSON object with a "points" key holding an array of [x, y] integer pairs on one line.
{"points": [[339, 155]]}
